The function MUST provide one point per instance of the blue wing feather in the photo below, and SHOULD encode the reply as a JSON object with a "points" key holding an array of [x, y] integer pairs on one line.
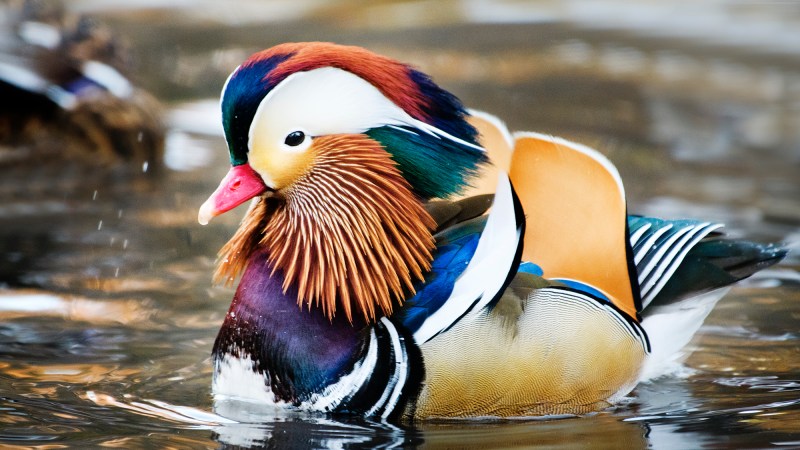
{"points": [[473, 264], [454, 250]]}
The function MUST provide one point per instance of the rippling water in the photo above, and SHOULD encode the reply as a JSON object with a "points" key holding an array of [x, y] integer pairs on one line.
{"points": [[107, 312]]}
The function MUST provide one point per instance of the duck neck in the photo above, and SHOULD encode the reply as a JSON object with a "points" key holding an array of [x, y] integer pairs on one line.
{"points": [[297, 351]]}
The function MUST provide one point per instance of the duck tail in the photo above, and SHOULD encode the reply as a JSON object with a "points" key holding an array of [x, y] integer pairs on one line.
{"points": [[690, 284], [717, 262]]}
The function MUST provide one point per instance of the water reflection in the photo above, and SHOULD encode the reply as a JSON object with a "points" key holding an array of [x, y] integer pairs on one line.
{"points": [[310, 432], [29, 303], [275, 429]]}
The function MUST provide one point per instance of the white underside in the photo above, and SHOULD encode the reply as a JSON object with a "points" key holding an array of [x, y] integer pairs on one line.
{"points": [[670, 328]]}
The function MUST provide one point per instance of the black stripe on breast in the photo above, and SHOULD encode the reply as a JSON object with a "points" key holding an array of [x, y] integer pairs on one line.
{"points": [[370, 392]]}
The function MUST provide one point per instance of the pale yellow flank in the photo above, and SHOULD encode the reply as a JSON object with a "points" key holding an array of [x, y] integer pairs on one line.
{"points": [[541, 355]]}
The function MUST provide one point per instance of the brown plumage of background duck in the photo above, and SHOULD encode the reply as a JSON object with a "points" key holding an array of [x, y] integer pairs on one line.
{"points": [[67, 106]]}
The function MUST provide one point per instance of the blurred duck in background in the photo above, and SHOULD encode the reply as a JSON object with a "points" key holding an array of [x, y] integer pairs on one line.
{"points": [[67, 105]]}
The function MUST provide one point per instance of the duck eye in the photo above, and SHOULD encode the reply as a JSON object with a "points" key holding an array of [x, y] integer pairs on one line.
{"points": [[295, 138]]}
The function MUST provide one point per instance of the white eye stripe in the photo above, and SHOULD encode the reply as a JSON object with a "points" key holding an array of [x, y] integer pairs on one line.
{"points": [[329, 101], [321, 102]]}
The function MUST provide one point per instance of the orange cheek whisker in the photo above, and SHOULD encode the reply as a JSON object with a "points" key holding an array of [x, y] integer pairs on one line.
{"points": [[350, 234]]}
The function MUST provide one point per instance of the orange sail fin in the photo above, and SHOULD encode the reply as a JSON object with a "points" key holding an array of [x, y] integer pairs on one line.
{"points": [[576, 216], [495, 138]]}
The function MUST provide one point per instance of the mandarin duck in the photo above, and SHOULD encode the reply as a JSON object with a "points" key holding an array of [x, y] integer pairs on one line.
{"points": [[66, 99], [364, 291]]}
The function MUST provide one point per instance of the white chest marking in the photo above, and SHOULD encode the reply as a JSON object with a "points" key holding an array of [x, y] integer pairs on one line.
{"points": [[235, 378]]}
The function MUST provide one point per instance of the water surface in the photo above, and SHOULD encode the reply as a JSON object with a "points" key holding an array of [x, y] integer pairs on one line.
{"points": [[108, 314]]}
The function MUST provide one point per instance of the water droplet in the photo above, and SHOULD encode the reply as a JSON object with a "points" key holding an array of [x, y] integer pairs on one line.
{"points": [[139, 136], [119, 214], [99, 225], [145, 165], [233, 315], [124, 244], [116, 273], [94, 196]]}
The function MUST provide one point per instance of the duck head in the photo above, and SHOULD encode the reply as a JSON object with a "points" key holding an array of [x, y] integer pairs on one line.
{"points": [[340, 147]]}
